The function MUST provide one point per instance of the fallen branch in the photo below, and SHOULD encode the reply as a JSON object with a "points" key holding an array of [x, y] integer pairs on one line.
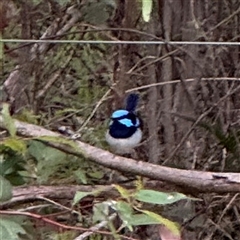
{"points": [[24, 194], [192, 180]]}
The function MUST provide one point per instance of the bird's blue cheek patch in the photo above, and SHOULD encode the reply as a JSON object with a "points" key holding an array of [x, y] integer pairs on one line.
{"points": [[126, 122]]}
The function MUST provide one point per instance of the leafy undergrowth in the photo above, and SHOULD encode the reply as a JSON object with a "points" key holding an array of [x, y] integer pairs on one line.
{"points": [[32, 161], [41, 164]]}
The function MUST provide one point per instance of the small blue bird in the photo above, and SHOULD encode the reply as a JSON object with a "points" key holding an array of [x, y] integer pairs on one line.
{"points": [[124, 131]]}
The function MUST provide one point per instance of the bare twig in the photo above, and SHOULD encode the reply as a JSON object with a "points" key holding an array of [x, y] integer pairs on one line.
{"points": [[52, 222], [94, 110], [95, 228], [55, 77], [186, 80]]}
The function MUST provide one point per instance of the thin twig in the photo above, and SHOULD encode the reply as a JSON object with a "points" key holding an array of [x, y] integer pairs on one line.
{"points": [[60, 225], [94, 111], [179, 81], [197, 121], [95, 228]]}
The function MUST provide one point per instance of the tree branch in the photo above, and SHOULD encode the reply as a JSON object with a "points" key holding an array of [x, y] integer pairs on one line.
{"points": [[24, 194], [192, 180]]}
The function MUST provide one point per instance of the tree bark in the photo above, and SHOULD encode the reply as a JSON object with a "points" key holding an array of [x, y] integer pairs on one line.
{"points": [[167, 76], [152, 105]]}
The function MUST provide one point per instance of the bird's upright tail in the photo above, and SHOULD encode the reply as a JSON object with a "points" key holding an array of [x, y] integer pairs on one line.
{"points": [[132, 102]]}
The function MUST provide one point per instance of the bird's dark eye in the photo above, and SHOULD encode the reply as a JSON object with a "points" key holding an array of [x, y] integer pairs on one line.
{"points": [[133, 118]]}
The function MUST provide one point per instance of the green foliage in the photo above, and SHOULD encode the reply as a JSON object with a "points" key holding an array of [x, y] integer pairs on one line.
{"points": [[12, 150], [11, 164], [80, 195], [50, 164], [27, 116], [128, 207], [155, 197], [16, 144], [142, 219], [123, 192], [173, 227], [10, 229], [55, 166], [80, 176], [7, 120], [98, 12], [125, 212], [146, 9], [100, 211], [5, 189], [58, 139], [48, 159], [147, 196], [63, 236]]}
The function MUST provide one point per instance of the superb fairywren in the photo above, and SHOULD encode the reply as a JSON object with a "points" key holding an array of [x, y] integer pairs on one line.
{"points": [[124, 131]]}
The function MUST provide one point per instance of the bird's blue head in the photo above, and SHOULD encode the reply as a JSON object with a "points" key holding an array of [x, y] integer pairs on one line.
{"points": [[126, 118], [125, 122]]}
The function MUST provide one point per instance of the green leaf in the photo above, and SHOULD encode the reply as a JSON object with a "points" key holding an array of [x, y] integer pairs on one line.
{"points": [[7, 165], [100, 211], [8, 120], [59, 139], [15, 144], [124, 208], [36, 1], [80, 176], [146, 9], [48, 159], [63, 235], [5, 189], [172, 226], [80, 195], [11, 165], [36, 149], [95, 13], [139, 184], [142, 219], [27, 116], [63, 2], [95, 173], [155, 197], [10, 229], [123, 191], [44, 153], [15, 179], [125, 212]]}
